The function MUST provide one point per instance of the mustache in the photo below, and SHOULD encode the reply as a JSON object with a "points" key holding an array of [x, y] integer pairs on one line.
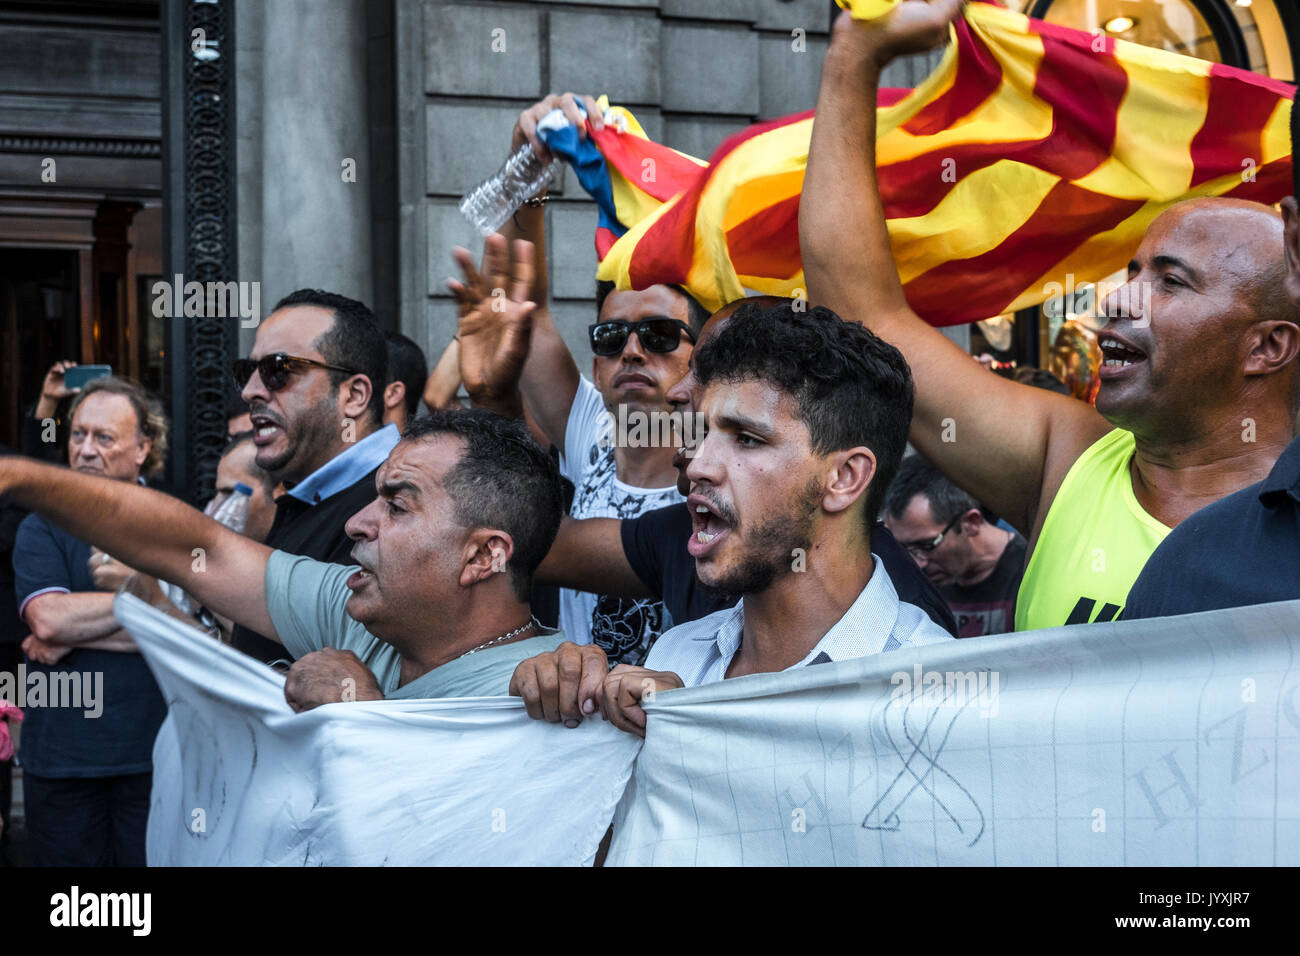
{"points": [[723, 510], [263, 411]]}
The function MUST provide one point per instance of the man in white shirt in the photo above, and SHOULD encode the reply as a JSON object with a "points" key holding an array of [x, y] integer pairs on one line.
{"points": [[641, 343], [807, 418]]}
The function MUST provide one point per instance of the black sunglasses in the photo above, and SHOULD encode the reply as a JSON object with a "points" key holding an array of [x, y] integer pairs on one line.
{"points": [[275, 369], [657, 334]]}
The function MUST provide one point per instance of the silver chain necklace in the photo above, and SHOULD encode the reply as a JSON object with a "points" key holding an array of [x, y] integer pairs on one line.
{"points": [[504, 637]]}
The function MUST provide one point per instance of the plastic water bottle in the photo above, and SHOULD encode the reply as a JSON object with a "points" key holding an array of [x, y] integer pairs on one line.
{"points": [[489, 204], [233, 512]]}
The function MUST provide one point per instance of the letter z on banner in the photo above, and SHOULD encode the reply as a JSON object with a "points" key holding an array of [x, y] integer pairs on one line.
{"points": [[1169, 742]]}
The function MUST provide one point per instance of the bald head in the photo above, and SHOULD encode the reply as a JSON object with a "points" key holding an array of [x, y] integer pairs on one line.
{"points": [[1203, 325], [1243, 241]]}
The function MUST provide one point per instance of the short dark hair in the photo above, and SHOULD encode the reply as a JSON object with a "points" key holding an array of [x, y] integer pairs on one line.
{"points": [[354, 341], [851, 387], [503, 480], [696, 313], [406, 364], [918, 476]]}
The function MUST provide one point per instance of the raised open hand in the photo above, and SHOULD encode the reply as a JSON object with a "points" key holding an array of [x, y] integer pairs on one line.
{"points": [[496, 321]]}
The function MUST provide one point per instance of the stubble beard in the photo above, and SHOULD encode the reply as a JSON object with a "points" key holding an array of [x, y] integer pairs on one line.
{"points": [[772, 545], [307, 438]]}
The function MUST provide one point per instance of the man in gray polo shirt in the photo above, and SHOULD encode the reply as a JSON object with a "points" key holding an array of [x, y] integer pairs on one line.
{"points": [[437, 604]]}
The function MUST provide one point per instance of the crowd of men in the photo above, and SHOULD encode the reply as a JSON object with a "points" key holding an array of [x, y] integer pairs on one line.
{"points": [[520, 547]]}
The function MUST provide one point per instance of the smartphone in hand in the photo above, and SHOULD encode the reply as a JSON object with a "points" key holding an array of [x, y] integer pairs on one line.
{"points": [[79, 375]]}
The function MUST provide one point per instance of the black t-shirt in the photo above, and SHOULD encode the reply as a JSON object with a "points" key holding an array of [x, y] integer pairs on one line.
{"points": [[1243, 549], [655, 547], [990, 606], [314, 531]]}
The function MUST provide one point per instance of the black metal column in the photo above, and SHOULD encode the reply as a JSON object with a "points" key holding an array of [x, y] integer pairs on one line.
{"points": [[199, 229]]}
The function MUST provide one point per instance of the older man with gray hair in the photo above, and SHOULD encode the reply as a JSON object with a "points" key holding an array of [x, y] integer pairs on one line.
{"points": [[87, 749]]}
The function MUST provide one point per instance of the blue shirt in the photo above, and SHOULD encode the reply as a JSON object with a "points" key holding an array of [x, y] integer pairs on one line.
{"points": [[348, 467], [1243, 549], [71, 741], [700, 652]]}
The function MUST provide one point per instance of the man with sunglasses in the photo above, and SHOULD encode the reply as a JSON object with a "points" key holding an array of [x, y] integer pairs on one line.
{"points": [[641, 343], [314, 384], [976, 565]]}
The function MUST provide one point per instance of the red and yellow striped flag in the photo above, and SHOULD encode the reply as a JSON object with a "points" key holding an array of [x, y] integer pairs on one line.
{"points": [[1031, 152]]}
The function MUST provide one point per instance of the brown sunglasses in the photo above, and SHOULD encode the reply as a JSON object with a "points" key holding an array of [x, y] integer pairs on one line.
{"points": [[276, 368]]}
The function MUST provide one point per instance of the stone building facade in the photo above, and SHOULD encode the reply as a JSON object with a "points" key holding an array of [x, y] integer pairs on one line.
{"points": [[424, 93]]}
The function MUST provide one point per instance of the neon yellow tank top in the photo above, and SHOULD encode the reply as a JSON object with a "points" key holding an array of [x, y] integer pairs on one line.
{"points": [[1094, 542]]}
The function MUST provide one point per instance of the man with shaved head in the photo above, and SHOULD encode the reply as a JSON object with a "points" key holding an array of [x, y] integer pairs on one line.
{"points": [[1198, 384], [1244, 549]]}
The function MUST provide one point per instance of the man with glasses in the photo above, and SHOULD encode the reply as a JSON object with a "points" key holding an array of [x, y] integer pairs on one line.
{"points": [[607, 428], [314, 385], [976, 565]]}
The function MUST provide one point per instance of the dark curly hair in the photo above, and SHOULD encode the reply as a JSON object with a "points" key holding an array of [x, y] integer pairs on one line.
{"points": [[917, 476], [851, 387], [503, 480], [354, 341]]}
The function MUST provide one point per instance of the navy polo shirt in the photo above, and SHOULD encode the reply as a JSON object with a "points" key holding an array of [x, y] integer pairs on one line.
{"points": [[66, 741], [1244, 549]]}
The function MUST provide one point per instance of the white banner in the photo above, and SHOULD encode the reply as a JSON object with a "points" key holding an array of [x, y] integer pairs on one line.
{"points": [[240, 779], [1171, 742]]}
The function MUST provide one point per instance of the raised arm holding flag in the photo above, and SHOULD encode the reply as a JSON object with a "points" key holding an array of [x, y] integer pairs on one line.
{"points": [[1200, 373]]}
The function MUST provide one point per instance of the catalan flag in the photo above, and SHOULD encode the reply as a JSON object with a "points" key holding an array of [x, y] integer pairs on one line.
{"points": [[1033, 151]]}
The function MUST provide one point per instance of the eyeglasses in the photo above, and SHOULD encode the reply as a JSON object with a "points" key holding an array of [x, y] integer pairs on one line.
{"points": [[925, 547], [656, 334], [275, 369]]}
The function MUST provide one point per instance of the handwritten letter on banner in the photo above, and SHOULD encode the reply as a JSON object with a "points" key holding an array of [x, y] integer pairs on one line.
{"points": [[1173, 742]]}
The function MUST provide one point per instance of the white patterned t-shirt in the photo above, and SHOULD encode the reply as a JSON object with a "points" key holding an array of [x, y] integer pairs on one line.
{"points": [[624, 627]]}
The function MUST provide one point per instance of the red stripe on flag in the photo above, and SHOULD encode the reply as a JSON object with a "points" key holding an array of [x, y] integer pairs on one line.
{"points": [[666, 251], [1083, 89], [767, 243], [1073, 36], [985, 285], [605, 240], [1233, 130], [672, 173], [978, 76], [1272, 182]]}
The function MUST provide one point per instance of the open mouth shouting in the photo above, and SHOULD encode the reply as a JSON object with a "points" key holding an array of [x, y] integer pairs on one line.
{"points": [[266, 428], [708, 525], [1118, 355], [361, 577]]}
